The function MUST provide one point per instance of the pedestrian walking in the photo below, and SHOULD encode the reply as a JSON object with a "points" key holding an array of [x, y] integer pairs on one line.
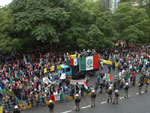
{"points": [[16, 109], [146, 83], [93, 97], [77, 88], [101, 65], [126, 88], [51, 106], [82, 90], [113, 65], [109, 68], [141, 83], [98, 79], [140, 87], [77, 103], [116, 97], [110, 90]]}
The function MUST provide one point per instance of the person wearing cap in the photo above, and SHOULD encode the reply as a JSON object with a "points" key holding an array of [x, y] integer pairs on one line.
{"points": [[51, 106], [93, 96], [126, 88], [77, 103], [109, 92], [116, 97], [16, 109]]}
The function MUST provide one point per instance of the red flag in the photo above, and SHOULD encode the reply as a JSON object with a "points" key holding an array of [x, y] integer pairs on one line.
{"points": [[110, 77], [34, 85]]}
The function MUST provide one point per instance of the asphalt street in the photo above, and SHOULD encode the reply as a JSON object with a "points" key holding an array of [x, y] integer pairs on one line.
{"points": [[134, 104]]}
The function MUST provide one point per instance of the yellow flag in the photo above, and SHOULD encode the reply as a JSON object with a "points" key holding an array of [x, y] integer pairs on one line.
{"points": [[1, 109], [72, 56], [45, 70], [52, 68], [59, 67]]}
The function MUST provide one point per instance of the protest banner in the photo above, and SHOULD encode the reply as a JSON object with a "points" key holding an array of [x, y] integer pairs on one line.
{"points": [[74, 82]]}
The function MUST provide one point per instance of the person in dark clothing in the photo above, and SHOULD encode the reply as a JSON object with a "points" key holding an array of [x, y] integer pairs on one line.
{"points": [[16, 110], [51, 106], [109, 68], [141, 83], [116, 97], [77, 103], [110, 90], [82, 90], [102, 84], [93, 97], [146, 83], [113, 65], [77, 88], [126, 90]]}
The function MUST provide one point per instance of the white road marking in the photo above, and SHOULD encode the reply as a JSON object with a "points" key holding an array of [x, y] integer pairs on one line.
{"points": [[104, 102], [142, 92], [67, 111], [86, 107], [121, 97]]}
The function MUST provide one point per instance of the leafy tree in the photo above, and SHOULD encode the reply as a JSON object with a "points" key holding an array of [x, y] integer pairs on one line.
{"points": [[129, 21], [7, 42], [43, 20]]}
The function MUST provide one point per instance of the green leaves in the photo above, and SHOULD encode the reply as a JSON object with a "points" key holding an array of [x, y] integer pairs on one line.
{"points": [[132, 34], [131, 23], [45, 33], [71, 24]]}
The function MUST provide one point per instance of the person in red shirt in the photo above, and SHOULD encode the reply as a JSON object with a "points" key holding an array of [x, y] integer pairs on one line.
{"points": [[52, 97], [133, 78]]}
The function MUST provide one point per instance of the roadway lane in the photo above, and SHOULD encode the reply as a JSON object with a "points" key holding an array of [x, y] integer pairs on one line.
{"points": [[134, 104]]}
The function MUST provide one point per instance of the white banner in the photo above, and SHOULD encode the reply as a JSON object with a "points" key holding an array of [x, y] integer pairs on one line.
{"points": [[74, 82], [89, 63], [57, 97], [63, 76], [75, 62]]}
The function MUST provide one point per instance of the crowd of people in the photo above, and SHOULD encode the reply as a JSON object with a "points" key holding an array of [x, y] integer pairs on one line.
{"points": [[133, 66], [129, 62], [31, 77]]}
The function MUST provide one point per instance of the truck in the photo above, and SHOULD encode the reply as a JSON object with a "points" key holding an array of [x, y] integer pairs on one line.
{"points": [[80, 67]]}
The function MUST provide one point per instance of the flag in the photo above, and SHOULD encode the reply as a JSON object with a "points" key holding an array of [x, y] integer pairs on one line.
{"points": [[45, 70], [89, 63], [34, 85], [109, 77], [58, 67], [14, 65], [24, 59], [6, 74], [85, 85], [74, 62], [16, 74]]}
